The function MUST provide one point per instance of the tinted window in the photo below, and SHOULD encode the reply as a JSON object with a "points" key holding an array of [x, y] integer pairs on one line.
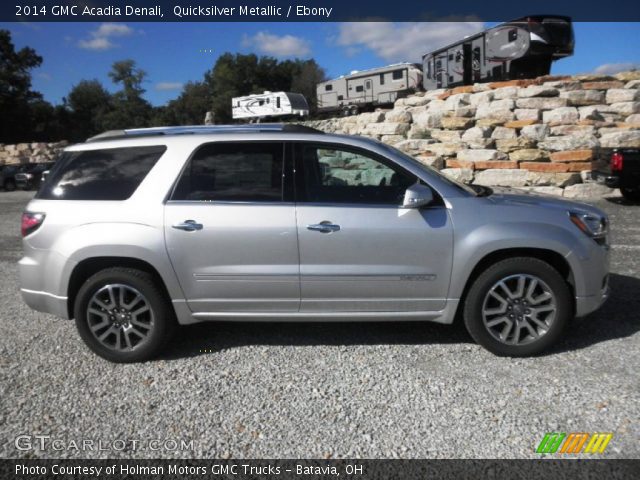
{"points": [[107, 174], [242, 172], [382, 79], [335, 175], [359, 88], [328, 88], [397, 75]]}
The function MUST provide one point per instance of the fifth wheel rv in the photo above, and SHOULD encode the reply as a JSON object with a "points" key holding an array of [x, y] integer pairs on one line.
{"points": [[522, 48], [368, 88], [269, 104]]}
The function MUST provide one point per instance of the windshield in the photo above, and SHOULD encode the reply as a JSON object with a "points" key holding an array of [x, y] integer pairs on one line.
{"points": [[461, 186]]}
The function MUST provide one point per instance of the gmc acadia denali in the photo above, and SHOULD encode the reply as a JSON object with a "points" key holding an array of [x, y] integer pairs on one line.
{"points": [[136, 231]]}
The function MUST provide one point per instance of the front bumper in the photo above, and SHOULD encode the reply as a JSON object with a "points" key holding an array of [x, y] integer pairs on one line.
{"points": [[591, 303]]}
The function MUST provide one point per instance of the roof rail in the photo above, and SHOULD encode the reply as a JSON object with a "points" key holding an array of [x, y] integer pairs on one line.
{"points": [[202, 129]]}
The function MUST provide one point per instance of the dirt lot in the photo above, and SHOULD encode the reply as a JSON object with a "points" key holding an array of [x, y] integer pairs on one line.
{"points": [[319, 390]]}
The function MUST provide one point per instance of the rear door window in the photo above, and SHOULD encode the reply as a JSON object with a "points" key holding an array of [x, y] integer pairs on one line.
{"points": [[233, 172], [105, 174]]}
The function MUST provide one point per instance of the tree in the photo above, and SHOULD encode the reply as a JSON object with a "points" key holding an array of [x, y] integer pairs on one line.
{"points": [[88, 103], [189, 108], [16, 96], [129, 108], [305, 79]]}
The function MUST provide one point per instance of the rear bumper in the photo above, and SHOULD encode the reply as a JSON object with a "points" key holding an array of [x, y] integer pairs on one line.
{"points": [[44, 292], [611, 181], [46, 302]]}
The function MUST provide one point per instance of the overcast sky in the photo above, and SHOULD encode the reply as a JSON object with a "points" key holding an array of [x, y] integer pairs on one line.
{"points": [[174, 53]]}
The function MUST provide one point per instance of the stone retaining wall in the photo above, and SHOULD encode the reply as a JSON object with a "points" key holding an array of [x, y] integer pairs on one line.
{"points": [[30, 152], [544, 134]]}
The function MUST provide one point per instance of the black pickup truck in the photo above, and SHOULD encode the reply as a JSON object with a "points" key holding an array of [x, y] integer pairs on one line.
{"points": [[623, 172]]}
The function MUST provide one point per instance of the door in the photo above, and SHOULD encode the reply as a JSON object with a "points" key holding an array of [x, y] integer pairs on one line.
{"points": [[467, 64], [368, 91], [359, 250], [230, 230], [356, 89]]}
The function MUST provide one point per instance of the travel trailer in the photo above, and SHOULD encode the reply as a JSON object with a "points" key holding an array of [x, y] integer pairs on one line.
{"points": [[269, 104], [522, 48], [364, 89]]}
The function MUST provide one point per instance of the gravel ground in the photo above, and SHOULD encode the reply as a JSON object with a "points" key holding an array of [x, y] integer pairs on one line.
{"points": [[372, 390]]}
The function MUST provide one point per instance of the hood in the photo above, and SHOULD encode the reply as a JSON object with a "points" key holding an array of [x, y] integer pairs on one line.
{"points": [[513, 196]]}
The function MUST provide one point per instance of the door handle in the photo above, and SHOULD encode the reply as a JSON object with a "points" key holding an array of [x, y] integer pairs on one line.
{"points": [[323, 227], [188, 226]]}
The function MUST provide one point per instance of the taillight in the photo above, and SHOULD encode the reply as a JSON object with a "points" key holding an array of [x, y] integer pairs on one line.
{"points": [[616, 161], [31, 222]]}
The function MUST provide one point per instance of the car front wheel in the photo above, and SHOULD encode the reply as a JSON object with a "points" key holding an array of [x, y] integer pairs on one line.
{"points": [[123, 316], [518, 307]]}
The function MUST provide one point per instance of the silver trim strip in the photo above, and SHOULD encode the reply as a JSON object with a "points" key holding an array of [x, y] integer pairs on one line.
{"points": [[296, 316], [47, 294]]}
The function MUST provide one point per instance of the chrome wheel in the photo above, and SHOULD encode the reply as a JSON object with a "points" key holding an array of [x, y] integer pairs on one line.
{"points": [[120, 317], [519, 309]]}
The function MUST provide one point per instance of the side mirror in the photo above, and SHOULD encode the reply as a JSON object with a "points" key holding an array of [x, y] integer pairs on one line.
{"points": [[417, 195]]}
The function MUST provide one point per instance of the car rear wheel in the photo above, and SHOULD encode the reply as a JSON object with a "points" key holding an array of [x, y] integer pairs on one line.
{"points": [[631, 194], [9, 185], [123, 316], [518, 307]]}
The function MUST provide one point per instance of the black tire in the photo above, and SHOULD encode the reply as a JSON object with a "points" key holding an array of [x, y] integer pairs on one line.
{"points": [[9, 185], [160, 316], [631, 194], [530, 268]]}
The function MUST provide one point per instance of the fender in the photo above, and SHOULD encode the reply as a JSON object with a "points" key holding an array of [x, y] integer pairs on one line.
{"points": [[113, 239], [471, 247]]}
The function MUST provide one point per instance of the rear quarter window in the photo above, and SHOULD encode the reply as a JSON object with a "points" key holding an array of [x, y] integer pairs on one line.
{"points": [[106, 174]]}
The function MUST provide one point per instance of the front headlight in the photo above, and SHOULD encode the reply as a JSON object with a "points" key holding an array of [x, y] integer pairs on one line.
{"points": [[595, 226]]}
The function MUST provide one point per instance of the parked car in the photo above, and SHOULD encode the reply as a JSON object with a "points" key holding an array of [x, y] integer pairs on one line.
{"points": [[139, 230], [623, 172], [8, 177], [30, 175]]}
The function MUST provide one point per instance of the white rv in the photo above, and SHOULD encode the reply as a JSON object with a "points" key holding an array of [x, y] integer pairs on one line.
{"points": [[368, 88], [269, 104]]}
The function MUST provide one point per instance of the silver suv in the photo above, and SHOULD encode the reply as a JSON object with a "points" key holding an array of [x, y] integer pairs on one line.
{"points": [[136, 231]]}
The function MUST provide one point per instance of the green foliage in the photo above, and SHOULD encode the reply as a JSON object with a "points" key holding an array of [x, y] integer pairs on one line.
{"points": [[16, 96], [88, 103], [189, 108], [131, 77], [128, 108]]}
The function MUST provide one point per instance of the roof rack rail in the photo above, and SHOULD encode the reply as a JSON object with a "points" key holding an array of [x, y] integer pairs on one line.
{"points": [[202, 129]]}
